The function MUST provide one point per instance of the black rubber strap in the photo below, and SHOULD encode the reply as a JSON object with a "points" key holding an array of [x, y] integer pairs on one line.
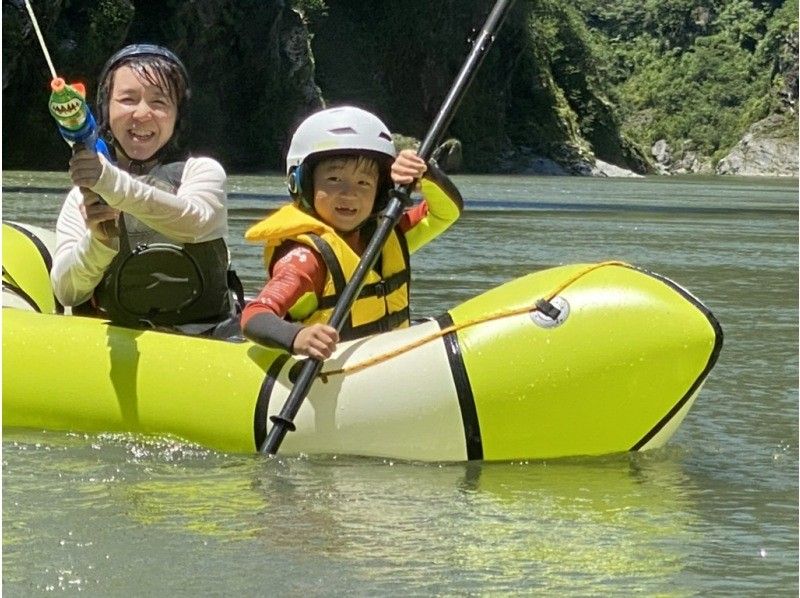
{"points": [[385, 324], [262, 403], [548, 309], [712, 358], [466, 399], [235, 285], [336, 273], [22, 294], [373, 289]]}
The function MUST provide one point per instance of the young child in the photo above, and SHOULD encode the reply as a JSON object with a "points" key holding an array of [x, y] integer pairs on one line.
{"points": [[146, 245], [341, 165]]}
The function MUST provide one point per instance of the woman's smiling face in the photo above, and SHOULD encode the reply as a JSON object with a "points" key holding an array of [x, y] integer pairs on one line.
{"points": [[344, 191], [141, 115]]}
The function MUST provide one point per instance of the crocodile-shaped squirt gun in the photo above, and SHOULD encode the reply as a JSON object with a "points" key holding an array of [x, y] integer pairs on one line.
{"points": [[75, 120], [78, 127], [68, 106]]}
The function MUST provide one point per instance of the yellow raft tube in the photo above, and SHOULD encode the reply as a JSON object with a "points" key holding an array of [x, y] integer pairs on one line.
{"points": [[585, 359]]}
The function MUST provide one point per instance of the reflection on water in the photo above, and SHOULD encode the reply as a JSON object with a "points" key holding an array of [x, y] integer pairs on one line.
{"points": [[505, 527]]}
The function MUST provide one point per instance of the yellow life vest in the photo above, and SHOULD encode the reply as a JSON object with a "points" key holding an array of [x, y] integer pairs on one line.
{"points": [[382, 303]]}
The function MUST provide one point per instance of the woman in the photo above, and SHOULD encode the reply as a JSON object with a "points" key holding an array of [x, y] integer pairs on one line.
{"points": [[142, 240]]}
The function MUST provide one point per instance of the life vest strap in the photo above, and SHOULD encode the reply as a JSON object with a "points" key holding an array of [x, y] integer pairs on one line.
{"points": [[385, 324], [374, 289]]}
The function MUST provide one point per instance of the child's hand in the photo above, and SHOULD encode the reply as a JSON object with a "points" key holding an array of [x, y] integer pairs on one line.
{"points": [[317, 341], [407, 167]]}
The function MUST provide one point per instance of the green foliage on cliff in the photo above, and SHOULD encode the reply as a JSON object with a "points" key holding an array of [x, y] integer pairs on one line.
{"points": [[700, 70], [564, 80], [566, 51]]}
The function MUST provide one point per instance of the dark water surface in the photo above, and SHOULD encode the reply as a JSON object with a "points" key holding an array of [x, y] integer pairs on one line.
{"points": [[714, 513]]}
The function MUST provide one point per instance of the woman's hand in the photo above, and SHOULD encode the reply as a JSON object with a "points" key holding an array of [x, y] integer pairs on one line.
{"points": [[317, 341], [100, 218], [407, 167], [85, 168]]}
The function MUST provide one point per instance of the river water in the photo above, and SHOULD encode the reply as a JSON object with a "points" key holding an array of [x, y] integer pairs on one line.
{"points": [[714, 513]]}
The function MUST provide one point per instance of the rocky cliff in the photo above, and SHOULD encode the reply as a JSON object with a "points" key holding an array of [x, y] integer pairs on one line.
{"points": [[259, 67], [250, 64], [540, 102]]}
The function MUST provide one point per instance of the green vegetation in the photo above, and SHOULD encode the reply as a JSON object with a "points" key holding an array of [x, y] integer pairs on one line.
{"points": [[564, 80], [700, 70]]}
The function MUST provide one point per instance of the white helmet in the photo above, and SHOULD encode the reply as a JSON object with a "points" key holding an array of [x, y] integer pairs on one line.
{"points": [[342, 129]]}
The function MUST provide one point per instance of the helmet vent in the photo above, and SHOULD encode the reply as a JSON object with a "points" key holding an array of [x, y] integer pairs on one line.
{"points": [[342, 130]]}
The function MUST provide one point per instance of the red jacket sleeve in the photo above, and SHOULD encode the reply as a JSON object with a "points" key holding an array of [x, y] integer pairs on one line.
{"points": [[295, 271], [413, 215]]}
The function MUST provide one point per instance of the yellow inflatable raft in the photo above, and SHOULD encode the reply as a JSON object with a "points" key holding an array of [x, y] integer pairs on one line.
{"points": [[584, 359]]}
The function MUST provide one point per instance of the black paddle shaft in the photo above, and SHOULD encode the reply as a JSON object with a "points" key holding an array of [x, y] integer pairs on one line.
{"points": [[284, 421]]}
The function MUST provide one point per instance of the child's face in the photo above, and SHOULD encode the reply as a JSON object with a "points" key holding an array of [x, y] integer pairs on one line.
{"points": [[344, 191], [142, 116]]}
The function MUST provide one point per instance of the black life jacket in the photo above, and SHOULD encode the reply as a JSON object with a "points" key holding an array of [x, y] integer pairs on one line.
{"points": [[156, 281]]}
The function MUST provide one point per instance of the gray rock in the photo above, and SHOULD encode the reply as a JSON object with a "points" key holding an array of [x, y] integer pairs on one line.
{"points": [[662, 153], [766, 150], [692, 162], [604, 169], [449, 155], [540, 165]]}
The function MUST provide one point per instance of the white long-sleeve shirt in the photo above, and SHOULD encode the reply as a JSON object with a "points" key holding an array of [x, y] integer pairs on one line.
{"points": [[197, 212]]}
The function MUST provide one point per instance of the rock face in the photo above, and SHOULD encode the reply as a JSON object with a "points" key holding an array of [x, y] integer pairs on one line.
{"points": [[537, 105], [254, 77], [251, 70], [605, 169], [766, 150], [662, 154], [687, 160], [258, 68]]}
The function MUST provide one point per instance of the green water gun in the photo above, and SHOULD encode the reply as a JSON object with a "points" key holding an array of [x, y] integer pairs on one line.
{"points": [[68, 106], [75, 120], [78, 127]]}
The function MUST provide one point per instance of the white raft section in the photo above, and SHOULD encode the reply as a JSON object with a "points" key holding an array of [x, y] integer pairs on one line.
{"points": [[661, 437], [363, 413]]}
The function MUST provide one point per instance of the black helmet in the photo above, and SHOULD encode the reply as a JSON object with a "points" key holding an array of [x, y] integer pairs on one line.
{"points": [[178, 83]]}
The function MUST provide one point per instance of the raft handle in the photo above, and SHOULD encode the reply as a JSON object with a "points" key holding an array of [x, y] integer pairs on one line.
{"points": [[552, 313], [548, 309]]}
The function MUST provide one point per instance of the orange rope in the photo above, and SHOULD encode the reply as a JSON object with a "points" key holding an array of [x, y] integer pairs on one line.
{"points": [[466, 324]]}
